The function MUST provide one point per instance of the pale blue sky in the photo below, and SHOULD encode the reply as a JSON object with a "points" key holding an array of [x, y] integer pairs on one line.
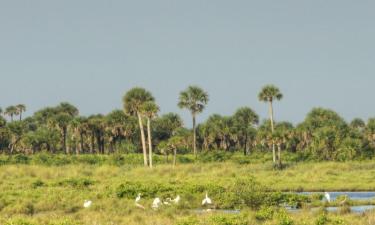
{"points": [[319, 52]]}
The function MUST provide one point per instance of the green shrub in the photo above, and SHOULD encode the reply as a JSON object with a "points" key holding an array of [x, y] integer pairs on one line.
{"points": [[19, 159], [322, 219], [76, 182], [228, 220], [188, 221], [284, 219], [265, 213], [37, 183]]}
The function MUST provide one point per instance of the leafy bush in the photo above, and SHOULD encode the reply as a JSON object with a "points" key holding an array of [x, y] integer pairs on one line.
{"points": [[322, 219], [37, 183], [216, 156], [76, 182], [228, 220], [265, 213]]}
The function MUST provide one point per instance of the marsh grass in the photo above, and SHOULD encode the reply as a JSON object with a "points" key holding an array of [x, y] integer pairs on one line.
{"points": [[53, 193]]}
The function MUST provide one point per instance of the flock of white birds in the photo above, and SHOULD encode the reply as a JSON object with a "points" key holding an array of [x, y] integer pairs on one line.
{"points": [[157, 203]]}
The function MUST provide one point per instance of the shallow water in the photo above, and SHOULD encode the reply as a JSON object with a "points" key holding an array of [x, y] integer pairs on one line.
{"points": [[354, 209], [352, 195]]}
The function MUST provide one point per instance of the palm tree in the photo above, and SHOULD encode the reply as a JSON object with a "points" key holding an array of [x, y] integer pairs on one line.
{"points": [[270, 93], [150, 110], [11, 111], [194, 99], [20, 109], [245, 120], [133, 101]]}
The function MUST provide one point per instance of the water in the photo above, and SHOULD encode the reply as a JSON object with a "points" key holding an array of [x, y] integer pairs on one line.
{"points": [[352, 195], [354, 209]]}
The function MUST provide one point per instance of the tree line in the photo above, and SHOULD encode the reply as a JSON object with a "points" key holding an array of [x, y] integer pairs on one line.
{"points": [[323, 135]]}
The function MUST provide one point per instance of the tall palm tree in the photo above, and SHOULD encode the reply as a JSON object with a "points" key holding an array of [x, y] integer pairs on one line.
{"points": [[194, 99], [269, 94], [133, 101], [11, 111], [20, 109], [150, 110]]}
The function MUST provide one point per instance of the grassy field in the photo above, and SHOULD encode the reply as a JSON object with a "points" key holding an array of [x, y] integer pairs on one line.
{"points": [[41, 194]]}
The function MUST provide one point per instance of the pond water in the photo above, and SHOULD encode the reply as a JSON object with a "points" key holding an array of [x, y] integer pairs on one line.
{"points": [[354, 209], [352, 195]]}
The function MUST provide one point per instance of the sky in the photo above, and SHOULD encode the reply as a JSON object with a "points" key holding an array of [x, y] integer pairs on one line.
{"points": [[90, 52]]}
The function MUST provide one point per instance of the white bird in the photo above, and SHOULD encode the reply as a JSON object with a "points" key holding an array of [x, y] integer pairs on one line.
{"points": [[207, 200], [176, 200], [327, 196], [167, 201], [156, 204], [344, 201], [138, 199], [87, 204]]}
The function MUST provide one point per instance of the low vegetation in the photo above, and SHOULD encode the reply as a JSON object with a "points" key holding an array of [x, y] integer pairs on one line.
{"points": [[53, 193]]}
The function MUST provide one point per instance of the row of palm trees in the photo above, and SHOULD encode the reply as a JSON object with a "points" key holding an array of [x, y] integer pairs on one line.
{"points": [[323, 135], [12, 111], [140, 102]]}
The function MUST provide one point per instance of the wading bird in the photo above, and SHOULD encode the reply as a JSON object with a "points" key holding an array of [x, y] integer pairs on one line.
{"points": [[327, 196], [344, 201], [137, 200], [87, 204], [176, 200], [156, 204], [207, 200]]}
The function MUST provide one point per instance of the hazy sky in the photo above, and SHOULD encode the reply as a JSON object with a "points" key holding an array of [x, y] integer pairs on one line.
{"points": [[319, 52]]}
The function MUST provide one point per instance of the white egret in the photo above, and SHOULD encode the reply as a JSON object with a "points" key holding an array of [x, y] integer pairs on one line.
{"points": [[137, 200], [176, 200], [87, 204], [343, 202], [156, 204], [327, 196], [207, 200]]}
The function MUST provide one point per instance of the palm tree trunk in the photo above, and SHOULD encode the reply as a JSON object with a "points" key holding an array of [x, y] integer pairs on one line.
{"points": [[194, 137], [272, 129], [143, 140], [245, 145], [20, 116], [279, 156], [65, 147], [174, 156], [149, 141], [81, 142]]}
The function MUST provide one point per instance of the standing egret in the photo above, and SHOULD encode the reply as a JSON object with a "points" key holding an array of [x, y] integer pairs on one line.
{"points": [[156, 204], [207, 200], [176, 200], [343, 202], [137, 200], [87, 204], [327, 196]]}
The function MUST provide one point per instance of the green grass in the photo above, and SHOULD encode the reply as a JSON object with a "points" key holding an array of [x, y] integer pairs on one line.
{"points": [[39, 193]]}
